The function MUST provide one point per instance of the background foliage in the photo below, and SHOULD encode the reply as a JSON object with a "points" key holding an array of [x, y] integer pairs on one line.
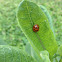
{"points": [[10, 31]]}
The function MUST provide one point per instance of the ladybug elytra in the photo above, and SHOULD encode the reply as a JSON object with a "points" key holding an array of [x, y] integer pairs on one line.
{"points": [[36, 28]]}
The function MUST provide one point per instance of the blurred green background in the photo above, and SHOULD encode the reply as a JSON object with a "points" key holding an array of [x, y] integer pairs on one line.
{"points": [[10, 32]]}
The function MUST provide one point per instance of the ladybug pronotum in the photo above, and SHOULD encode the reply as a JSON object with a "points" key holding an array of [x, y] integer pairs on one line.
{"points": [[36, 28]]}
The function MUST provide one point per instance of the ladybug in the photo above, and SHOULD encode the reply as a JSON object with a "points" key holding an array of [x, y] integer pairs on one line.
{"points": [[36, 28]]}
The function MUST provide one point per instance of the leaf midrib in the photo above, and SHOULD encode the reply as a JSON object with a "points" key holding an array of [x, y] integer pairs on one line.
{"points": [[32, 23]]}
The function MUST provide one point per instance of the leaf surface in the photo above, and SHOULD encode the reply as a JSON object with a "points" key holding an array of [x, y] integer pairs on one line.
{"points": [[13, 54], [60, 50], [32, 52], [48, 16], [29, 14]]}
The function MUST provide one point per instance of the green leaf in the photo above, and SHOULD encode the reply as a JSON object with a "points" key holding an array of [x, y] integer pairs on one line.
{"points": [[13, 54], [29, 14], [45, 56], [61, 60], [48, 16], [60, 50], [31, 52]]}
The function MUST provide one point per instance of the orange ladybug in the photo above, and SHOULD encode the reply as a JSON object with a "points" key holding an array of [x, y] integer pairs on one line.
{"points": [[36, 28]]}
